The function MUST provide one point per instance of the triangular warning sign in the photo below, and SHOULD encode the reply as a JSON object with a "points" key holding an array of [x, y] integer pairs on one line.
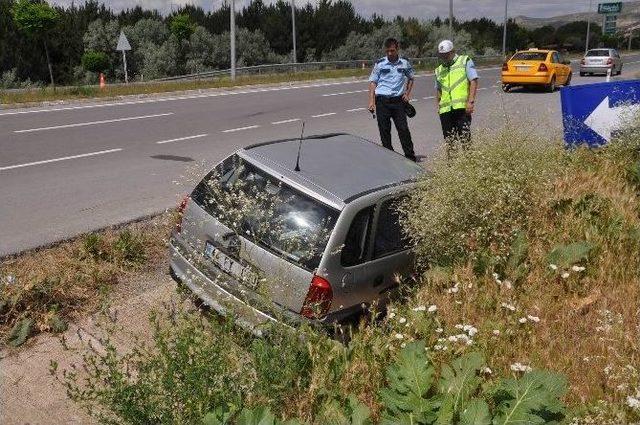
{"points": [[123, 43]]}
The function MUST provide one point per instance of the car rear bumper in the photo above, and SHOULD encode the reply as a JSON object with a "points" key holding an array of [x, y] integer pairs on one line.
{"points": [[511, 78], [214, 290], [595, 69]]}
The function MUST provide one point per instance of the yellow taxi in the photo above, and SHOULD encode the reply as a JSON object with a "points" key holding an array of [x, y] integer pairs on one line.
{"points": [[536, 67]]}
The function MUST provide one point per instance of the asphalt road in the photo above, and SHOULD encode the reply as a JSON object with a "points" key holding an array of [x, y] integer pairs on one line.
{"points": [[72, 168]]}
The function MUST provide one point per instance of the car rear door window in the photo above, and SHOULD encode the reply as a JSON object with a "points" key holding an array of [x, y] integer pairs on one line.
{"points": [[390, 237], [555, 58], [356, 243], [530, 56]]}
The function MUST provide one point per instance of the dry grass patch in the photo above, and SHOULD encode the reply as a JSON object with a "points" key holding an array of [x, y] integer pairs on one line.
{"points": [[44, 289]]}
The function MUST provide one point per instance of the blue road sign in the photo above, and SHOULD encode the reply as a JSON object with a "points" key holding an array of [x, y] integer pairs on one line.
{"points": [[591, 113]]}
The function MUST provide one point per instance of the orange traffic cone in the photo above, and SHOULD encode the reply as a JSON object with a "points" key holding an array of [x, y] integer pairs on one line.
{"points": [[102, 82]]}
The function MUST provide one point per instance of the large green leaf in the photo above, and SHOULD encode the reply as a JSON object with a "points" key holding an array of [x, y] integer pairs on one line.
{"points": [[475, 413], [533, 399], [460, 380], [566, 255], [409, 380]]}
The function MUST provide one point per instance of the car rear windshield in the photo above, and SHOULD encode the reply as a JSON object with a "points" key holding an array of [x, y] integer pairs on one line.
{"points": [[267, 211], [598, 53], [530, 56]]}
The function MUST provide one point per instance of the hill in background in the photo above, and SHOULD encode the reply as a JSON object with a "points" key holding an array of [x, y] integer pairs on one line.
{"points": [[629, 18]]}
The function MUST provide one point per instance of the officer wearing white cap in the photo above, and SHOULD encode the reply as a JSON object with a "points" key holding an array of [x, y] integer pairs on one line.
{"points": [[456, 84], [388, 96]]}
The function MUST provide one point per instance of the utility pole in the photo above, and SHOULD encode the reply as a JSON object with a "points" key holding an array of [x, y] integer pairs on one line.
{"points": [[293, 30], [233, 38], [504, 30], [451, 19], [586, 44]]}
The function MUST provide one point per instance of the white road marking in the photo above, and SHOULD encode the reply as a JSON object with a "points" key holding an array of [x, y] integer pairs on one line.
{"points": [[483, 88], [345, 92], [356, 109], [232, 130], [197, 136], [205, 95], [285, 121], [429, 97], [83, 124], [323, 115], [84, 155], [413, 100]]}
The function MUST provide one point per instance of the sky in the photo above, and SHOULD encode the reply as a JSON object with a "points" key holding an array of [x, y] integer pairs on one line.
{"points": [[463, 9]]}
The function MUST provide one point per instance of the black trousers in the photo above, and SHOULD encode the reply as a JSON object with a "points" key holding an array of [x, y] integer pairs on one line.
{"points": [[456, 127], [393, 108]]}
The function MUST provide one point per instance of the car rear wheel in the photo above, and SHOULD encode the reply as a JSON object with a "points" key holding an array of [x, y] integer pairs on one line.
{"points": [[620, 70], [551, 87], [506, 88], [582, 74]]}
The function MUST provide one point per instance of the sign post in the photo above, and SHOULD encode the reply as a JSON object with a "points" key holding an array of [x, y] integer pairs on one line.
{"points": [[123, 45], [593, 113]]}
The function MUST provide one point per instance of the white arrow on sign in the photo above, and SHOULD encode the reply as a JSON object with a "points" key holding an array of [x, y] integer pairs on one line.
{"points": [[604, 120]]}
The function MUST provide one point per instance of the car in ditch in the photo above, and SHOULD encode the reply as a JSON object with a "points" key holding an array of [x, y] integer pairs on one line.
{"points": [[297, 231], [601, 61]]}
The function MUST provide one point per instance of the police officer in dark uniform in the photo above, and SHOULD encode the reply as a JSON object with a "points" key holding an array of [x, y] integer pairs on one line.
{"points": [[390, 86]]}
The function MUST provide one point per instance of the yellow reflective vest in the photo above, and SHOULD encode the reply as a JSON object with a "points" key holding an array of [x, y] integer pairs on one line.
{"points": [[454, 85]]}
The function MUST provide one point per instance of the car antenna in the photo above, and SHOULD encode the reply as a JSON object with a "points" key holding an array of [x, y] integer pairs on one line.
{"points": [[299, 147]]}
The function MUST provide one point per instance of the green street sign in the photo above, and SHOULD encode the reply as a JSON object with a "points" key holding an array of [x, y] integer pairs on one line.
{"points": [[610, 28], [605, 8]]}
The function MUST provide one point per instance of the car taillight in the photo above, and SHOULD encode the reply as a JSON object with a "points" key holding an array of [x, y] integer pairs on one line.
{"points": [[505, 66], [181, 208], [318, 300], [543, 68], [609, 61]]}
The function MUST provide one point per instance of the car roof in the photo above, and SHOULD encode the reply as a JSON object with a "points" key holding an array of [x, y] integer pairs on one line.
{"points": [[337, 168], [536, 50]]}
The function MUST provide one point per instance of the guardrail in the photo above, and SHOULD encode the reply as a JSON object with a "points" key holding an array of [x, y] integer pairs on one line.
{"points": [[284, 68]]}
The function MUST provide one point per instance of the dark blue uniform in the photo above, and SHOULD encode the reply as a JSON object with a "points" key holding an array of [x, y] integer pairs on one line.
{"points": [[390, 78]]}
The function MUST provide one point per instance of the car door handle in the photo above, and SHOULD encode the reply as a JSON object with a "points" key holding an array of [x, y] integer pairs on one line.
{"points": [[379, 280]]}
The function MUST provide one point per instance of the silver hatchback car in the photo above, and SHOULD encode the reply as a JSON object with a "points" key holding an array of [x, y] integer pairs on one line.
{"points": [[266, 243], [599, 61]]}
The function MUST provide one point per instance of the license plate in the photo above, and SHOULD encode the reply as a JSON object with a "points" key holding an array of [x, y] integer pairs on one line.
{"points": [[228, 265], [522, 68]]}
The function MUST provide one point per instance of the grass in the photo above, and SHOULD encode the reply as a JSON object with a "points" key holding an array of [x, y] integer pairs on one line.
{"points": [[530, 257], [42, 290], [25, 97]]}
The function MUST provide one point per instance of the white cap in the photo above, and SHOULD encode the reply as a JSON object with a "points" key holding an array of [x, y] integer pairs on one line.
{"points": [[445, 46]]}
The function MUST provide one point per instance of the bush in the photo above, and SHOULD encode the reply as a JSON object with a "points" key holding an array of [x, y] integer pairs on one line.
{"points": [[474, 205], [95, 61]]}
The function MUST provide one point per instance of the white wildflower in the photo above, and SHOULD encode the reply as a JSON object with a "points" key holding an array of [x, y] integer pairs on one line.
{"points": [[553, 267], [534, 319], [519, 367], [439, 330], [403, 345], [565, 275], [392, 315], [508, 306], [633, 402], [522, 320], [453, 338], [577, 268], [459, 326], [496, 332], [432, 308], [486, 370], [399, 336], [507, 284], [420, 308], [402, 320]]}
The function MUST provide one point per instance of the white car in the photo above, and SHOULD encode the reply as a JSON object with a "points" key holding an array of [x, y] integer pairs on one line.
{"points": [[599, 61]]}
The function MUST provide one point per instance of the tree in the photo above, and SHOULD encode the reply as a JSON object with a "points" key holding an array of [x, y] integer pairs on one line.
{"points": [[182, 27], [36, 20]]}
